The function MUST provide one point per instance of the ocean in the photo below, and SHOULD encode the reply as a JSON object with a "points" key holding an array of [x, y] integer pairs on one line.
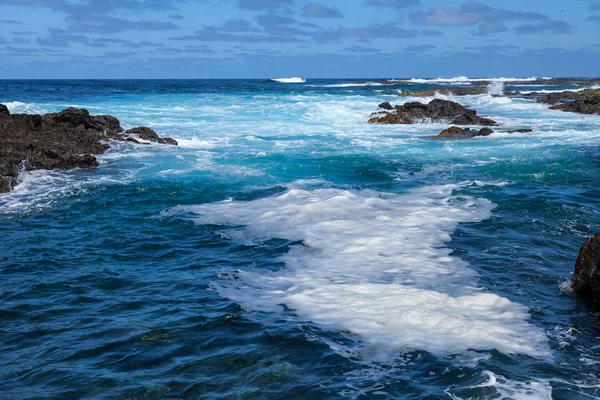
{"points": [[288, 249]]}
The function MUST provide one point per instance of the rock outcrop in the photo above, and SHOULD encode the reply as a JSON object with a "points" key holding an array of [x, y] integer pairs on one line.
{"points": [[454, 132], [586, 279], [585, 101], [63, 140], [437, 111]]}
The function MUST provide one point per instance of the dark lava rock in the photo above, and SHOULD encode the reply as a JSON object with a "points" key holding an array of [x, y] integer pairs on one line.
{"points": [[451, 91], [455, 132], [553, 98], [436, 111], [386, 106], [146, 133], [519, 131], [63, 140], [586, 278], [585, 101]]}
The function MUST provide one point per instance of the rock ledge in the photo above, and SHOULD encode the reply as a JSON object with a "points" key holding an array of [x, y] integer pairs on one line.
{"points": [[62, 140]]}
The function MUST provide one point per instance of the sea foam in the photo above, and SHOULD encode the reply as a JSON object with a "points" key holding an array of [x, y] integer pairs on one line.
{"points": [[375, 265]]}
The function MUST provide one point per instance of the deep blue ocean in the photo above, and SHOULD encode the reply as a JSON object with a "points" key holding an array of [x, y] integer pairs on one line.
{"points": [[286, 249]]}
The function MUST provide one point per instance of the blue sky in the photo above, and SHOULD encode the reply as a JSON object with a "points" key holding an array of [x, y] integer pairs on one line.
{"points": [[280, 38]]}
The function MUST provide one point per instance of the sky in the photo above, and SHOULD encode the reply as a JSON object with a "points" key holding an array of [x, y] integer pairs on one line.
{"points": [[124, 39]]}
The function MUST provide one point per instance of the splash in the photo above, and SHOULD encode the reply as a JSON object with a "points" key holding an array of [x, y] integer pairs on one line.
{"points": [[295, 79]]}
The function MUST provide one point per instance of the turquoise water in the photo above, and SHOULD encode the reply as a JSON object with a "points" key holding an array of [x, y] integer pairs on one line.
{"points": [[287, 249]]}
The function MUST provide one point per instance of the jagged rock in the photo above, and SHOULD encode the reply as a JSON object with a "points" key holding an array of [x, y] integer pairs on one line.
{"points": [[435, 112], [451, 91], [386, 106], [586, 278], [146, 133], [455, 132], [63, 140]]}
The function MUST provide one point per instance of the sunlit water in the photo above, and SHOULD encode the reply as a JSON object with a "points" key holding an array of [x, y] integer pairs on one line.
{"points": [[288, 249]]}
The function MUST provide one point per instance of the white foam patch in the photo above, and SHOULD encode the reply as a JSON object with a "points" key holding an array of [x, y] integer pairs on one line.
{"points": [[500, 388], [375, 266]]}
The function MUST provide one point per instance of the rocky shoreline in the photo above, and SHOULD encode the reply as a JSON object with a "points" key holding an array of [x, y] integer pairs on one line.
{"points": [[64, 140]]}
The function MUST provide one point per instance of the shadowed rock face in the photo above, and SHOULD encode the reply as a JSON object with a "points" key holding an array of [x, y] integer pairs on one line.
{"points": [[455, 132], [586, 278], [437, 111], [63, 140]]}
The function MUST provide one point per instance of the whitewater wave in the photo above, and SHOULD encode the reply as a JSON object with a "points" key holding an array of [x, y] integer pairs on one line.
{"points": [[375, 266], [295, 79], [463, 79], [18, 107], [352, 84]]}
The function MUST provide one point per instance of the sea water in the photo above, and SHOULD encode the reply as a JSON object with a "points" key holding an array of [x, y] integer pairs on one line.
{"points": [[288, 249]]}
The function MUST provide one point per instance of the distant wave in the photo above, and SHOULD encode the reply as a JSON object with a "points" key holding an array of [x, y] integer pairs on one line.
{"points": [[295, 79], [352, 84], [464, 79]]}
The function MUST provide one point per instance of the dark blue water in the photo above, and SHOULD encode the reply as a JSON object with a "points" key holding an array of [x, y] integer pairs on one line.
{"points": [[287, 249]]}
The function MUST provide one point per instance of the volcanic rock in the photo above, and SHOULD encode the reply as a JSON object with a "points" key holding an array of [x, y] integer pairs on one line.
{"points": [[586, 278], [146, 133], [455, 132], [519, 131], [63, 140], [435, 112], [386, 106]]}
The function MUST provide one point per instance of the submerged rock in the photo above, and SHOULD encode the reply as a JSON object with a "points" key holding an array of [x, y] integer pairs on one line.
{"points": [[63, 140], [455, 132], [435, 112], [586, 278], [527, 130], [146, 133]]}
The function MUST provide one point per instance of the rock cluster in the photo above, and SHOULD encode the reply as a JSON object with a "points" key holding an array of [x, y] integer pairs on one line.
{"points": [[437, 111], [63, 140]]}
